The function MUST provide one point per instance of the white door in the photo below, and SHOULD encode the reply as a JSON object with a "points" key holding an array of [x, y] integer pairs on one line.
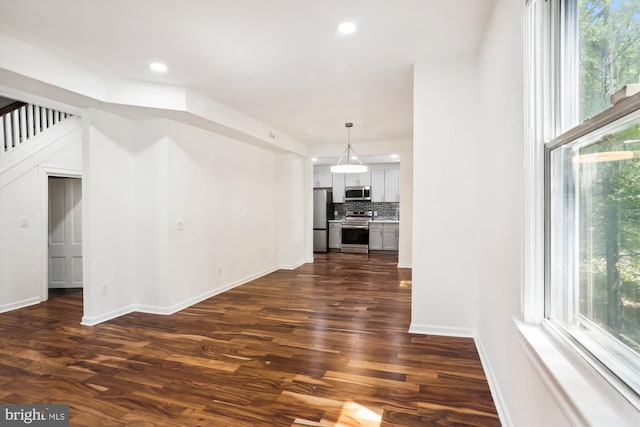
{"points": [[65, 233]]}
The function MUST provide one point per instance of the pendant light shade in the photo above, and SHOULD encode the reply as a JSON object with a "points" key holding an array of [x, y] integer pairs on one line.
{"points": [[346, 166]]}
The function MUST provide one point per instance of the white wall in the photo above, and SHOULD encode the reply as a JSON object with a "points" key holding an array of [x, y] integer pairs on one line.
{"points": [[108, 195], [19, 280], [241, 210], [502, 107], [291, 193], [446, 197], [151, 210], [23, 189], [232, 199]]}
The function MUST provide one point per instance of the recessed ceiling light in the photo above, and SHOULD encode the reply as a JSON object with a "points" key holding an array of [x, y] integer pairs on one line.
{"points": [[314, 160], [394, 156], [354, 157], [347, 27], [158, 67]]}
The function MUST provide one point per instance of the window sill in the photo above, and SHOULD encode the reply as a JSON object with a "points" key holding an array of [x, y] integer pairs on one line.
{"points": [[584, 396]]}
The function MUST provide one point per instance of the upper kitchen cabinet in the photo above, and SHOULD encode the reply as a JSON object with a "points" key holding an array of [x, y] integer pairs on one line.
{"points": [[377, 185], [391, 185], [357, 179], [322, 177], [338, 187]]}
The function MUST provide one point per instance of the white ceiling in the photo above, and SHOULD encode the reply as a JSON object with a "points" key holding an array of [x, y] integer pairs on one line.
{"points": [[280, 61]]}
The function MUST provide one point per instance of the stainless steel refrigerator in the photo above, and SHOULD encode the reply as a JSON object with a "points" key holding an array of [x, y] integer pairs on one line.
{"points": [[322, 213]]}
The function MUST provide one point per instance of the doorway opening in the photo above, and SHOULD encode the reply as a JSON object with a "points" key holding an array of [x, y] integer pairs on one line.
{"points": [[64, 236]]}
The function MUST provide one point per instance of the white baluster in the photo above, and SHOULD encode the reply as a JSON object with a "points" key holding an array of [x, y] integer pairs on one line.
{"points": [[23, 124], [9, 132], [16, 127], [30, 124], [37, 120]]}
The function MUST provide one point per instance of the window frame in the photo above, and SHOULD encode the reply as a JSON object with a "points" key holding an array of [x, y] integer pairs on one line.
{"points": [[604, 362], [547, 126]]}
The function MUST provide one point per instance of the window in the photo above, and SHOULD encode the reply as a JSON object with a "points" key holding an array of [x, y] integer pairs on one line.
{"points": [[594, 244], [609, 51], [584, 52]]}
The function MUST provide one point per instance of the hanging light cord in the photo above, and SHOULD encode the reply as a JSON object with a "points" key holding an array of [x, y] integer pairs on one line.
{"points": [[349, 149]]}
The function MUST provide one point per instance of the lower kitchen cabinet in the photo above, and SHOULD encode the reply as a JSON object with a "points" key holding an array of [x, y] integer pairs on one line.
{"points": [[383, 236], [335, 235], [375, 236], [390, 234]]}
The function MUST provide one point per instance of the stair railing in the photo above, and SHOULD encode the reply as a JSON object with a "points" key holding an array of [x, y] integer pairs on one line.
{"points": [[20, 122]]}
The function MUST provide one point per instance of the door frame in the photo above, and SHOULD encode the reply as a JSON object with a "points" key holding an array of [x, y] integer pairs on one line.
{"points": [[44, 172]]}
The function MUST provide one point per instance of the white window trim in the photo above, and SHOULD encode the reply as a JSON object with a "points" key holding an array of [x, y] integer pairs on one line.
{"points": [[583, 394], [581, 386]]}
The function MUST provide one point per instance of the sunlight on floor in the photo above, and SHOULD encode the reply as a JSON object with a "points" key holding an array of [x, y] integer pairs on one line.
{"points": [[351, 415], [404, 284], [354, 414]]}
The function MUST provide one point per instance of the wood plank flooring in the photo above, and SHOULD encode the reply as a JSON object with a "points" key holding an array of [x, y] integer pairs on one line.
{"points": [[322, 345]]}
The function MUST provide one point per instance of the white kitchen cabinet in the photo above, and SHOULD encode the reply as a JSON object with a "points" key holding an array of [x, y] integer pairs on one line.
{"points": [[383, 236], [338, 187], [335, 235], [357, 179], [391, 185], [377, 185], [375, 236], [322, 177], [390, 234]]}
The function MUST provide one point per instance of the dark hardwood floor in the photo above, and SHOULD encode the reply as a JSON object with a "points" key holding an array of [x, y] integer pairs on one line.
{"points": [[325, 344]]}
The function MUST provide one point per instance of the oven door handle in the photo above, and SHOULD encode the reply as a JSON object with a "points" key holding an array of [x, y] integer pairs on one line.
{"points": [[359, 227]]}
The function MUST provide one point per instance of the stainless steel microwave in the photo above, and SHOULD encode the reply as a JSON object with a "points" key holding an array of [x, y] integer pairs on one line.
{"points": [[354, 194]]}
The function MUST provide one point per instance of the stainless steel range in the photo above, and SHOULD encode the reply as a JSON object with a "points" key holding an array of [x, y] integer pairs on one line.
{"points": [[355, 232]]}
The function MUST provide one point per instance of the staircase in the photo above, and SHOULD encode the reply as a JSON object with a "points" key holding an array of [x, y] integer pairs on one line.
{"points": [[19, 122]]}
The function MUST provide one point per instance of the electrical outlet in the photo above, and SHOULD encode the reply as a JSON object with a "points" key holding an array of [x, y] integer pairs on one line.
{"points": [[104, 289], [180, 225], [24, 221]]}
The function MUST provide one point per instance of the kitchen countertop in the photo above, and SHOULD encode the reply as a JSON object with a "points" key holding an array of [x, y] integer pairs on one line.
{"points": [[379, 220]]}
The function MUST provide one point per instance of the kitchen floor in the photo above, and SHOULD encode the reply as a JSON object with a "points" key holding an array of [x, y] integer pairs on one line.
{"points": [[323, 345]]}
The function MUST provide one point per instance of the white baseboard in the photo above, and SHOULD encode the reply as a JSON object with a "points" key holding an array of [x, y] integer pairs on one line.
{"points": [[405, 266], [168, 310], [205, 295], [449, 331], [19, 304], [496, 393], [293, 266], [94, 320]]}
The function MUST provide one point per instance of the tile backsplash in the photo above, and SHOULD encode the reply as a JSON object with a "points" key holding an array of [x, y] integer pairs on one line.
{"points": [[383, 209]]}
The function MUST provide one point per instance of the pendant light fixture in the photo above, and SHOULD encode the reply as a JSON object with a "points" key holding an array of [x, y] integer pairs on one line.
{"points": [[348, 167]]}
